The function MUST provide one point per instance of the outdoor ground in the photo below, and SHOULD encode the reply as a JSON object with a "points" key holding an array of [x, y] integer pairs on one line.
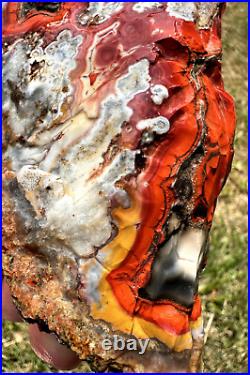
{"points": [[224, 283]]}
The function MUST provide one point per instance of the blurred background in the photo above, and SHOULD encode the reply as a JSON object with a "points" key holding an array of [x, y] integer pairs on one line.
{"points": [[224, 282]]}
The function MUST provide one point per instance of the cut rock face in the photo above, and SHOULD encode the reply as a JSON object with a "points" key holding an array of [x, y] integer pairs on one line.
{"points": [[117, 140]]}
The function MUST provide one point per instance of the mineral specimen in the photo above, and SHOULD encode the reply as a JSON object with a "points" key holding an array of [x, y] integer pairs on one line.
{"points": [[117, 141]]}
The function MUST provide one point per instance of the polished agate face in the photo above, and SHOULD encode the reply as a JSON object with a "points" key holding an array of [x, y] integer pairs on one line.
{"points": [[117, 141]]}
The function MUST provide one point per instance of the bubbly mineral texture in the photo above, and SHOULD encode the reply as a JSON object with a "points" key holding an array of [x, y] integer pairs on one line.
{"points": [[117, 141]]}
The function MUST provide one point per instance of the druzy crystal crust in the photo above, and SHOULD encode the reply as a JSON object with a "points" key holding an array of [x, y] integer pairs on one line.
{"points": [[117, 142]]}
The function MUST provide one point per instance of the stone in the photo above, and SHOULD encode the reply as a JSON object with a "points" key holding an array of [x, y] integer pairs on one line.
{"points": [[117, 140]]}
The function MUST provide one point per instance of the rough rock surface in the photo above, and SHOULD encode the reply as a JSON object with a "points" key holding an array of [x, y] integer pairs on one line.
{"points": [[117, 140]]}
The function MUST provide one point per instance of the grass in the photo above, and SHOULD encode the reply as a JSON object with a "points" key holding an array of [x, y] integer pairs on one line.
{"points": [[224, 283]]}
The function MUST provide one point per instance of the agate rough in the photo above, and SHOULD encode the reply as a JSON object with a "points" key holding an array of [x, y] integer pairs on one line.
{"points": [[117, 140]]}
